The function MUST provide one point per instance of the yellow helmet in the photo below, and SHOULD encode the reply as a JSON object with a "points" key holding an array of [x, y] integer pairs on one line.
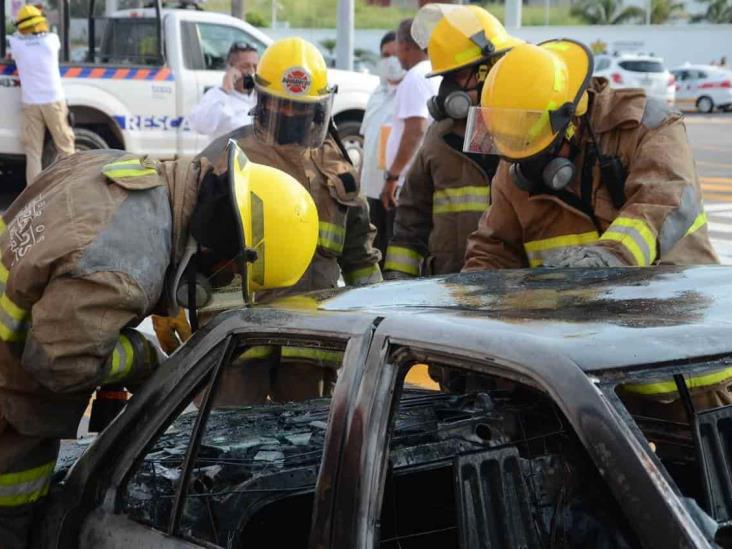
{"points": [[279, 222], [294, 100], [530, 98], [458, 36], [293, 68], [31, 19]]}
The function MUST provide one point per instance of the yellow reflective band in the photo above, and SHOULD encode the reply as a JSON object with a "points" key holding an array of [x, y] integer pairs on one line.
{"points": [[636, 236], [669, 386], [258, 351], [127, 168], [367, 275], [403, 260], [467, 55], [307, 353], [537, 249], [25, 487], [122, 359], [3, 277], [461, 199], [2, 225], [13, 325], [699, 222], [331, 237]]}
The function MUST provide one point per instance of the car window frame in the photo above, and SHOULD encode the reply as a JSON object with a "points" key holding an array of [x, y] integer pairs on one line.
{"points": [[361, 480], [107, 476], [194, 58]]}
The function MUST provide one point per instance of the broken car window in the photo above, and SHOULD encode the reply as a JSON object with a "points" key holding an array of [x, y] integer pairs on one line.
{"points": [[490, 458], [685, 416], [261, 447]]}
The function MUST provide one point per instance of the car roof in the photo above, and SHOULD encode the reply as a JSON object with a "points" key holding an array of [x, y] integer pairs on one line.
{"points": [[598, 319]]}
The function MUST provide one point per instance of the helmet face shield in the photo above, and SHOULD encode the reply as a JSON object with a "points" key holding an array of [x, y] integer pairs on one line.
{"points": [[513, 134], [279, 121]]}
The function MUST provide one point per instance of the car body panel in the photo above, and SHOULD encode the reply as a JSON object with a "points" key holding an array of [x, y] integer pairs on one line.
{"points": [[696, 81], [637, 71], [550, 329]]}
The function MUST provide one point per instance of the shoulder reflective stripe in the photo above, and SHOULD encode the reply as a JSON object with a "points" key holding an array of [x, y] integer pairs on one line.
{"points": [[367, 275], [26, 486], [403, 260], [127, 168], [312, 354], [636, 236], [2, 225], [122, 359], [461, 199], [331, 237], [669, 386], [13, 320], [536, 250], [699, 222], [3, 276]]}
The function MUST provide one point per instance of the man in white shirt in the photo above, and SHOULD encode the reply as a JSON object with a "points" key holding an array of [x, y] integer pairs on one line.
{"points": [[35, 52], [226, 108], [411, 116], [376, 120]]}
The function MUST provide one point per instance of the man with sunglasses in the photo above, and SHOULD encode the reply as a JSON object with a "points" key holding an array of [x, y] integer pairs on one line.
{"points": [[226, 108], [446, 191]]}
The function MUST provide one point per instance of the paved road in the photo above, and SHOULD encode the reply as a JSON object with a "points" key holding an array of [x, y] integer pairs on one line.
{"points": [[711, 140]]}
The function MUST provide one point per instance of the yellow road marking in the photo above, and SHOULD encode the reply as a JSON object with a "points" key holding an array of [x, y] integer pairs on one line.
{"points": [[716, 187], [717, 197]]}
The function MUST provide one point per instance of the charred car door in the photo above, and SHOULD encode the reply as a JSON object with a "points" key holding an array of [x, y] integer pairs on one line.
{"points": [[456, 440], [205, 455]]}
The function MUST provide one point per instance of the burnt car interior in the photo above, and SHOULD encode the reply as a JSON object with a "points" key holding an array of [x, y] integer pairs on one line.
{"points": [[474, 460], [689, 437]]}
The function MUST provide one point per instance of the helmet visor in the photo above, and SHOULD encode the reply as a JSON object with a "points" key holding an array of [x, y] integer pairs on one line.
{"points": [[513, 134], [279, 121]]}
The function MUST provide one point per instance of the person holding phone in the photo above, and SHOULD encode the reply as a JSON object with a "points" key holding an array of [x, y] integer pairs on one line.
{"points": [[226, 108]]}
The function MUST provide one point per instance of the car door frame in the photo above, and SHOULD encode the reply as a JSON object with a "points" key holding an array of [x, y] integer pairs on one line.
{"points": [[90, 498], [645, 495]]}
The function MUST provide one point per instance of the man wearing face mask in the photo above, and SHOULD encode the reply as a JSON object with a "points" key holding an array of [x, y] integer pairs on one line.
{"points": [[376, 121], [446, 191], [290, 131], [226, 108], [591, 176]]}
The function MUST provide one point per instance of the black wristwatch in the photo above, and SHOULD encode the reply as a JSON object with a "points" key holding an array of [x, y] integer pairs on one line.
{"points": [[388, 176]]}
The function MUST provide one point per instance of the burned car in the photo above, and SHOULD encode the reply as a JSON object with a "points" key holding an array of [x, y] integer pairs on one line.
{"points": [[528, 440]]}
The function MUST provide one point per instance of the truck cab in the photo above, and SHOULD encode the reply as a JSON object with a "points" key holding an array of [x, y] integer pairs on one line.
{"points": [[124, 92]]}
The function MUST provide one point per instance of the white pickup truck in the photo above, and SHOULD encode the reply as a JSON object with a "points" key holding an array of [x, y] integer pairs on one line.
{"points": [[130, 95]]}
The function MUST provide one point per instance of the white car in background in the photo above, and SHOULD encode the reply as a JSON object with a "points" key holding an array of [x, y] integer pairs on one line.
{"points": [[630, 70], [705, 87]]}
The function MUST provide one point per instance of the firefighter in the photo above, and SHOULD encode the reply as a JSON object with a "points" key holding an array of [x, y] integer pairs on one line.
{"points": [[446, 191], [589, 177], [98, 242], [290, 131]]}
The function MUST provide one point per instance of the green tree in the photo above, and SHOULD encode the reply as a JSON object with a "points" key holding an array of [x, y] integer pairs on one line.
{"points": [[662, 11], [606, 12], [718, 11], [255, 19], [329, 44]]}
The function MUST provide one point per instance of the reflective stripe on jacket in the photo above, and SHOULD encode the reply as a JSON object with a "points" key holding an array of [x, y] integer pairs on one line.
{"points": [[661, 222], [443, 197], [345, 236], [86, 249]]}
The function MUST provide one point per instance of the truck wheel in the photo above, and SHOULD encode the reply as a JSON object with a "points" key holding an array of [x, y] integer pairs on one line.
{"points": [[84, 140], [349, 130]]}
